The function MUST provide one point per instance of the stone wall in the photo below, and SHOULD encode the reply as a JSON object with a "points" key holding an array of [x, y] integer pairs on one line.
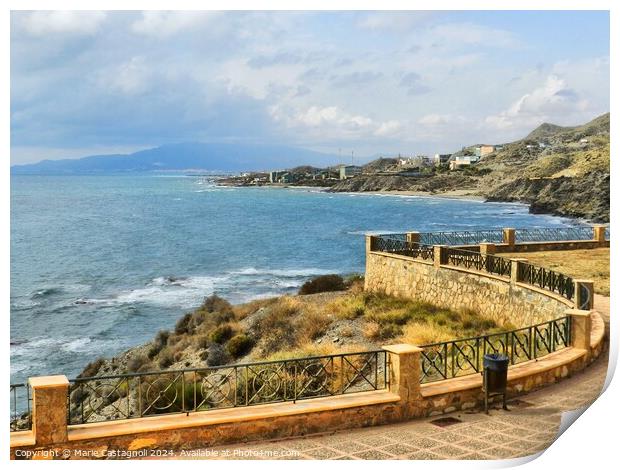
{"points": [[492, 297]]}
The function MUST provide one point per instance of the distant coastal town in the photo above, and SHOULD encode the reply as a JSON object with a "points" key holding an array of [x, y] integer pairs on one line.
{"points": [[412, 166], [555, 170]]}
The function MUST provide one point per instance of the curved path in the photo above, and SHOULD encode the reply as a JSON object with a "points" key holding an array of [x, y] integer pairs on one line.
{"points": [[529, 427]]}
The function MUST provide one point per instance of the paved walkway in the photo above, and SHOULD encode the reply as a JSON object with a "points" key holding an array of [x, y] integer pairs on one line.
{"points": [[529, 427]]}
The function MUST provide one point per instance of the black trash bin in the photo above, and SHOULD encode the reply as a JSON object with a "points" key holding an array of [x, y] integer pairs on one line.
{"points": [[495, 377]]}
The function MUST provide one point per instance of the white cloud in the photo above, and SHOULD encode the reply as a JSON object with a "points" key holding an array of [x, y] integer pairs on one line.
{"points": [[331, 115], [389, 128], [42, 23], [460, 34], [553, 101], [435, 119], [335, 122], [399, 21], [168, 23], [130, 78]]}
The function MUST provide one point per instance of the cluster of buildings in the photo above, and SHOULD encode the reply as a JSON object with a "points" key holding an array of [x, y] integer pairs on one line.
{"points": [[405, 166], [469, 157]]}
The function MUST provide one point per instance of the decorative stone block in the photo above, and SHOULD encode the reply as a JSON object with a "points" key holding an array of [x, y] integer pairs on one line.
{"points": [[49, 409]]}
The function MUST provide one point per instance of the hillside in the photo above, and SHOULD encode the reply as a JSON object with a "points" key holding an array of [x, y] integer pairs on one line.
{"points": [[317, 323], [557, 170], [185, 156]]}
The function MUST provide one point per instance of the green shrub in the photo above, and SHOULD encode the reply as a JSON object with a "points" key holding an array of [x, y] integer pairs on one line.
{"points": [[203, 342], [239, 345], [92, 368], [215, 303], [221, 334], [326, 283], [165, 359], [184, 325], [137, 362]]}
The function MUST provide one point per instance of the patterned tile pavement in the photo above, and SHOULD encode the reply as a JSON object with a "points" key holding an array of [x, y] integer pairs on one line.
{"points": [[530, 425]]}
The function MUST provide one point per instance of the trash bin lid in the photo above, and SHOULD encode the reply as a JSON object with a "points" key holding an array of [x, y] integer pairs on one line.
{"points": [[495, 357]]}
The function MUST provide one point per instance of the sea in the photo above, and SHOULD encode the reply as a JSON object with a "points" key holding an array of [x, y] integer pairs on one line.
{"points": [[102, 263]]}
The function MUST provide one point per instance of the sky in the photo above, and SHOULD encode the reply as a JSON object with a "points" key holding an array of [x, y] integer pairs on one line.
{"points": [[372, 83]]}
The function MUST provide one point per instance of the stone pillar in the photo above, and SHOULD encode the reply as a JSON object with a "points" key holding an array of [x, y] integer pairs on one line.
{"points": [[487, 248], [367, 274], [49, 409], [580, 328], [439, 255], [599, 234], [413, 237], [514, 269], [405, 371], [509, 236], [584, 294], [369, 242]]}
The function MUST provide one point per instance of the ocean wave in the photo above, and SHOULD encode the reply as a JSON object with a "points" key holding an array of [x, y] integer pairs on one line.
{"points": [[303, 272], [46, 292], [168, 291]]}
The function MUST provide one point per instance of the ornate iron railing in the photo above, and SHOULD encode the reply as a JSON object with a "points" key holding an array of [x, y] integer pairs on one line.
{"points": [[396, 245], [94, 399], [21, 418], [446, 360], [467, 237], [473, 260], [553, 234], [546, 279]]}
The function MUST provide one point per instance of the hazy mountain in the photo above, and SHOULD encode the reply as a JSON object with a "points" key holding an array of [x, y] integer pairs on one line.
{"points": [[185, 156]]}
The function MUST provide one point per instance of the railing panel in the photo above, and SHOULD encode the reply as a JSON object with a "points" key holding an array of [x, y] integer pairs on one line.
{"points": [[397, 246], [472, 237], [450, 359], [106, 398], [553, 234], [547, 279], [20, 407], [479, 262]]}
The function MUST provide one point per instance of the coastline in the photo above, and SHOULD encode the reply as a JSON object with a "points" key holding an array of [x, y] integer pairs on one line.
{"points": [[464, 194], [453, 194]]}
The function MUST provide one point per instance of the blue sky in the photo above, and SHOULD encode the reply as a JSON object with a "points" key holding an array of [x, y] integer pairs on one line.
{"points": [[86, 83]]}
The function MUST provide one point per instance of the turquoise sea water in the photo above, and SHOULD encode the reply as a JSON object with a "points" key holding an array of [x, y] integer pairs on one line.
{"points": [[101, 263]]}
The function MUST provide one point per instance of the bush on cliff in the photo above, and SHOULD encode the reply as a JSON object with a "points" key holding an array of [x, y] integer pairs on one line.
{"points": [[221, 334], [239, 345], [326, 283]]}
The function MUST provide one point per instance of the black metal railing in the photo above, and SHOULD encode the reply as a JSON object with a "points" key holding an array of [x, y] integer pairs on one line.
{"points": [[450, 359], [480, 262], [546, 279], [397, 245], [474, 237], [94, 399], [467, 237], [553, 234], [21, 418]]}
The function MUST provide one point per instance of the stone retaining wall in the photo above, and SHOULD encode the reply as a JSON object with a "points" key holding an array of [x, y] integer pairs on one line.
{"points": [[493, 297]]}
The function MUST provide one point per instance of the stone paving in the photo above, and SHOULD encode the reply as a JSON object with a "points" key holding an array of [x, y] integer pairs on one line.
{"points": [[530, 426]]}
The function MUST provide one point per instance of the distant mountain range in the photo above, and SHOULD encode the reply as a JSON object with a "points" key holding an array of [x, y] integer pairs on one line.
{"points": [[186, 156]]}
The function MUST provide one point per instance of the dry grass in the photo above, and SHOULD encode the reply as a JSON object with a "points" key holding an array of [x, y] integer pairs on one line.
{"points": [[579, 264]]}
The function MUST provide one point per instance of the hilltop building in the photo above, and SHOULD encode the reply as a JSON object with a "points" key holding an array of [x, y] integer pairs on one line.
{"points": [[279, 177], [441, 158], [483, 150], [349, 171], [463, 160]]}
